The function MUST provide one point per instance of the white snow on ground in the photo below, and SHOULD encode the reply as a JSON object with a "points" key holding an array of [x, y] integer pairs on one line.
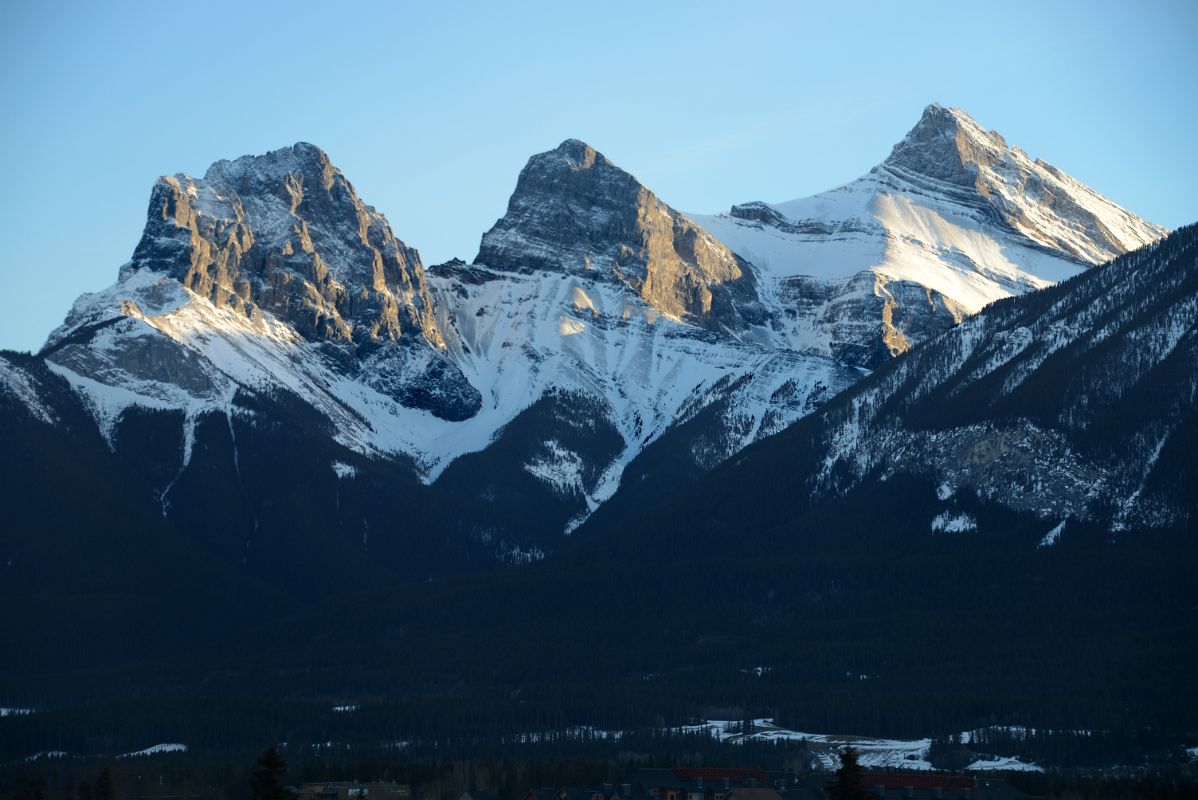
{"points": [[511, 339], [166, 747], [898, 233], [574, 732], [1129, 504], [21, 385], [1054, 535], [560, 468], [15, 712], [875, 753], [505, 335], [344, 470], [825, 748], [949, 522], [1006, 764], [47, 754]]}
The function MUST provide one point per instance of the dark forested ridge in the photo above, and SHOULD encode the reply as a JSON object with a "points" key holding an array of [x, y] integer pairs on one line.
{"points": [[755, 591], [581, 762]]}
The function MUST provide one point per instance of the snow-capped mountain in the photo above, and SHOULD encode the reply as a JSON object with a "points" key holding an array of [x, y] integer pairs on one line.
{"points": [[1077, 402], [952, 220], [270, 278], [597, 307], [278, 449], [598, 334], [1075, 405]]}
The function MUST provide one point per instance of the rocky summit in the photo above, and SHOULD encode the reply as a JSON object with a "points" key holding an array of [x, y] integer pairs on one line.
{"points": [[286, 233], [1031, 198], [952, 220], [573, 211]]}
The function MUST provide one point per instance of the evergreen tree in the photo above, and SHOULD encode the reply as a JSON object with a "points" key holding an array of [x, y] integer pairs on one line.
{"points": [[848, 785], [103, 788], [30, 789], [266, 779]]}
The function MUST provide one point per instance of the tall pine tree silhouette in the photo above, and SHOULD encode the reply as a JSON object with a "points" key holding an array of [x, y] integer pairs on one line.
{"points": [[848, 784], [266, 779], [104, 789]]}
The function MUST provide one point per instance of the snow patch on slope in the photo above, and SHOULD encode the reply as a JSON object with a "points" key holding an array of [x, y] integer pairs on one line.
{"points": [[1053, 536], [15, 712], [343, 470], [517, 336], [950, 522], [875, 753], [166, 747], [559, 467], [24, 387]]}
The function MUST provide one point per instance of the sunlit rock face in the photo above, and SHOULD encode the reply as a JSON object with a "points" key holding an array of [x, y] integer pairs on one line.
{"points": [[952, 220], [267, 274], [286, 233], [1032, 198], [575, 212]]}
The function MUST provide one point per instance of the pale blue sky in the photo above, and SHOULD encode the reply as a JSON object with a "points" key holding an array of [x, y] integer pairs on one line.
{"points": [[432, 108]]}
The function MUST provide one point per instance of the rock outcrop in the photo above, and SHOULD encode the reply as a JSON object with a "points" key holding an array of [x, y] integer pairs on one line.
{"points": [[286, 233], [1032, 198], [573, 211]]}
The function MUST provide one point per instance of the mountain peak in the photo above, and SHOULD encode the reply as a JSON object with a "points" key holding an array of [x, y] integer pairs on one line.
{"points": [[285, 232], [579, 154], [948, 145], [952, 121], [575, 212], [300, 159], [571, 155], [1030, 198]]}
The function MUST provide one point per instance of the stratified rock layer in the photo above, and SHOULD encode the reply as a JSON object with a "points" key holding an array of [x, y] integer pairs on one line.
{"points": [[575, 212], [286, 233], [952, 220]]}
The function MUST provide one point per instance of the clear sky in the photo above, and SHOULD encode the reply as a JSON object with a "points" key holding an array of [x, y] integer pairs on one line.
{"points": [[432, 108]]}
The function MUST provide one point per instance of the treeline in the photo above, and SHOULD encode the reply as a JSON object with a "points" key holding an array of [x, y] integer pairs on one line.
{"points": [[305, 740], [858, 632], [1142, 748], [851, 619], [1150, 786], [189, 777]]}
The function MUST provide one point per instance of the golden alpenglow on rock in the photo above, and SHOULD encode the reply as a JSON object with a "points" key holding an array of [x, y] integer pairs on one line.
{"points": [[287, 233], [575, 212]]}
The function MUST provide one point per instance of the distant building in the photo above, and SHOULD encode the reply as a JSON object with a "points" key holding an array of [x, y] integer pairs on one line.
{"points": [[746, 793], [352, 790], [910, 786], [712, 783], [608, 791], [717, 783]]}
